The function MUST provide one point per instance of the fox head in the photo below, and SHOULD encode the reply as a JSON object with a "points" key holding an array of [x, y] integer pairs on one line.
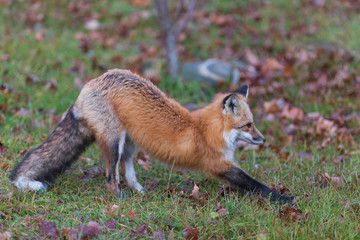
{"points": [[238, 119]]}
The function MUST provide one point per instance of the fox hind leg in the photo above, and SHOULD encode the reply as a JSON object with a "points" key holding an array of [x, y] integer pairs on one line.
{"points": [[127, 166], [112, 150]]}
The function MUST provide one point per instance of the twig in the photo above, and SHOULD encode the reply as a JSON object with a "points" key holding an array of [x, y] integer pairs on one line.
{"points": [[186, 18]]}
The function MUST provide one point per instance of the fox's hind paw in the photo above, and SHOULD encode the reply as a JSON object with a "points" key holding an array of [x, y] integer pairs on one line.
{"points": [[24, 183]]}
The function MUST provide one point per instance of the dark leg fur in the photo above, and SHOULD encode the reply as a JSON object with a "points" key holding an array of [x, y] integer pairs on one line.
{"points": [[110, 150], [241, 180], [69, 139]]}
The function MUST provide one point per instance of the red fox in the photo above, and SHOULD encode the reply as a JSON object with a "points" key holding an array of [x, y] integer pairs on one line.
{"points": [[120, 109]]}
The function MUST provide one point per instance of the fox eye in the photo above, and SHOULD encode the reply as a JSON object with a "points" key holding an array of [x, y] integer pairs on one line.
{"points": [[249, 125]]}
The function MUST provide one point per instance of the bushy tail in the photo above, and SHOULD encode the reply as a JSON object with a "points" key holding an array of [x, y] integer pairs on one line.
{"points": [[42, 164]]}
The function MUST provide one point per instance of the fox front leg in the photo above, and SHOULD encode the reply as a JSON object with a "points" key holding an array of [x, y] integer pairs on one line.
{"points": [[242, 181]]}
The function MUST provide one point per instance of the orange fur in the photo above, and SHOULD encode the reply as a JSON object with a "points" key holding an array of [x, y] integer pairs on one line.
{"points": [[157, 123]]}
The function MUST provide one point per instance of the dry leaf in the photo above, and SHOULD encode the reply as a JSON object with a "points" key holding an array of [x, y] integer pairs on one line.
{"points": [[89, 231], [251, 58], [52, 84], [191, 233], [132, 214], [271, 64], [159, 235], [141, 230], [195, 192], [271, 107], [49, 229], [295, 114], [222, 211], [325, 127]]}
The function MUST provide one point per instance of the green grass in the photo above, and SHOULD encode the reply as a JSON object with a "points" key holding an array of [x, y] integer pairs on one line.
{"points": [[296, 160]]}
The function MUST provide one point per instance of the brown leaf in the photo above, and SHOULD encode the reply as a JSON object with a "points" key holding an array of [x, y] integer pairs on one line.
{"points": [[111, 209], [271, 64], [221, 20], [159, 235], [141, 229], [191, 233], [325, 127], [292, 114], [110, 224], [144, 164], [132, 214], [271, 107], [291, 214], [52, 84], [49, 229], [89, 231], [251, 58], [222, 211], [280, 188], [30, 79], [23, 113], [337, 181], [144, 160], [195, 192]]}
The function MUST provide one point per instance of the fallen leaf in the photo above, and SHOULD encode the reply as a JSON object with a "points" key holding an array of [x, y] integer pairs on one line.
{"points": [[144, 159], [195, 192], [111, 210], [280, 188], [291, 214], [52, 84], [49, 229], [30, 79], [222, 211], [110, 224], [325, 127], [159, 235], [271, 64], [132, 214], [271, 107], [89, 231], [295, 114], [191, 233], [251, 58], [221, 19], [144, 164], [337, 181], [141, 230], [23, 112]]}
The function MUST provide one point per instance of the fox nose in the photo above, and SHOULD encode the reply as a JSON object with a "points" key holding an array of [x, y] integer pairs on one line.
{"points": [[260, 139]]}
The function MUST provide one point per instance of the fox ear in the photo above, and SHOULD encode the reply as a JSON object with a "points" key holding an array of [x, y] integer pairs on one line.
{"points": [[243, 90], [231, 104]]}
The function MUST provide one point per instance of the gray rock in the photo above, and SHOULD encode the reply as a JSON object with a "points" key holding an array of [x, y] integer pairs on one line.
{"points": [[211, 71]]}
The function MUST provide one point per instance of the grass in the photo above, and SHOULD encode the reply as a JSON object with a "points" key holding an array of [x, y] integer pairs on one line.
{"points": [[29, 111]]}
